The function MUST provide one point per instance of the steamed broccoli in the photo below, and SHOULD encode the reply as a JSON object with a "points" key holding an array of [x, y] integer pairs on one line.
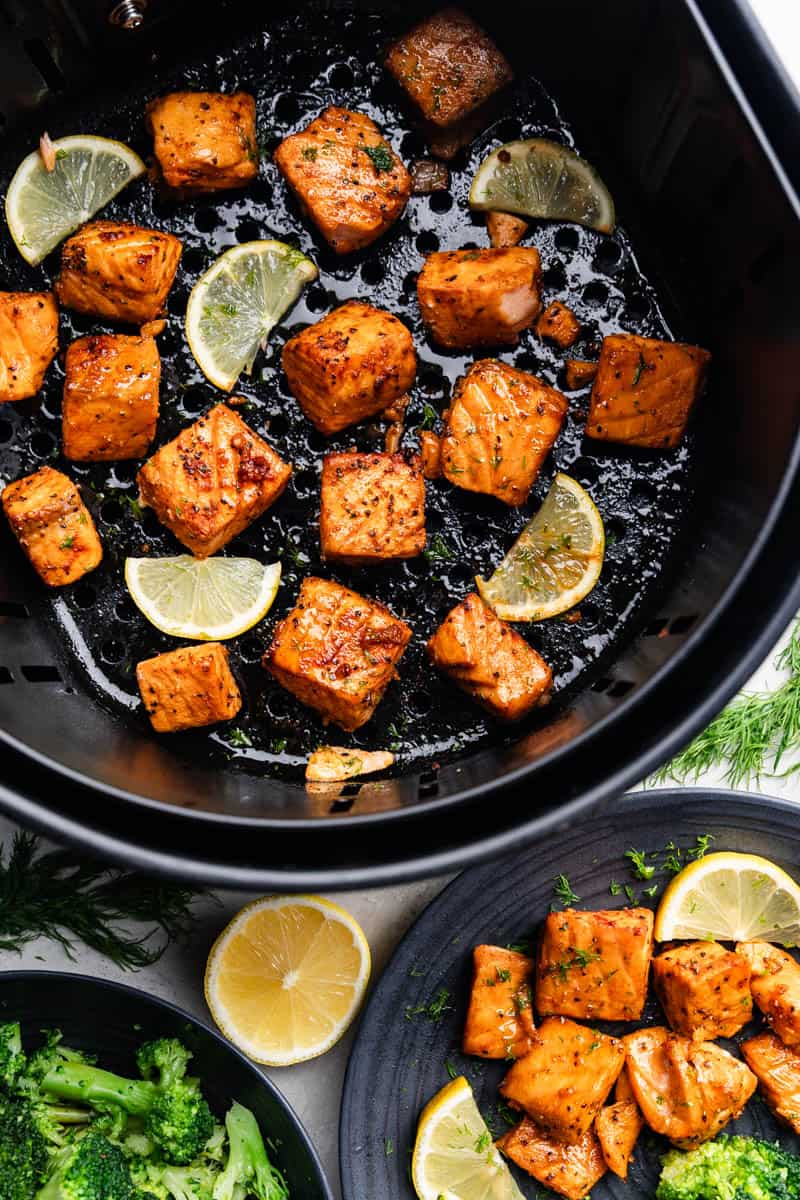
{"points": [[24, 1150], [12, 1058], [91, 1169], [730, 1168], [176, 1116], [248, 1171]]}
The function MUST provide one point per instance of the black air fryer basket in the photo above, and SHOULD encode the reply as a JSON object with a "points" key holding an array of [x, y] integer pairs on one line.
{"points": [[684, 111]]}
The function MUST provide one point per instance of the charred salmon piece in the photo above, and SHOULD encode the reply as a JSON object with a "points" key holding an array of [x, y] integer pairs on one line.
{"points": [[500, 427], [578, 373], [110, 405], [28, 342], [688, 1091], [704, 990], [490, 661], [351, 365], [448, 66], [777, 1068], [212, 481], [479, 297], [500, 1017], [346, 177], [121, 272], [618, 1127], [337, 652], [53, 526], [204, 141], [188, 688], [775, 987], [559, 324], [565, 1078], [644, 391], [505, 229], [623, 1089], [372, 508], [567, 1170], [594, 965]]}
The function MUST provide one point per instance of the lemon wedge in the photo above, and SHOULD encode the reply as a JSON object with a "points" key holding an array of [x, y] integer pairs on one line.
{"points": [[286, 977], [43, 207], [235, 305], [556, 560], [731, 898], [206, 600], [454, 1153]]}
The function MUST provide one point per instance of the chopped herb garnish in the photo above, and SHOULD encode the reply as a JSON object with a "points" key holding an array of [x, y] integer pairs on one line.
{"points": [[503, 974], [67, 543], [309, 153], [651, 891], [641, 868], [434, 1010], [429, 416], [278, 745], [701, 845], [523, 947], [563, 891], [238, 738], [640, 366], [483, 1142], [438, 550], [451, 1071], [382, 158], [388, 1145], [629, 892], [614, 887]]}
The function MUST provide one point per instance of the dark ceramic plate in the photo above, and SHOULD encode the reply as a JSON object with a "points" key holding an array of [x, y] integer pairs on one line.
{"points": [[401, 1057], [112, 1020]]}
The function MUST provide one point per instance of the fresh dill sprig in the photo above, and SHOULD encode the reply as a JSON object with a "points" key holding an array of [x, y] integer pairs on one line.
{"points": [[752, 735], [56, 894], [563, 892]]}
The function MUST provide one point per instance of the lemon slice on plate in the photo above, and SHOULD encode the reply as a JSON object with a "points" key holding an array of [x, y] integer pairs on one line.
{"points": [[286, 978], [555, 561], [454, 1155], [43, 207], [238, 301], [540, 178], [731, 898], [208, 599]]}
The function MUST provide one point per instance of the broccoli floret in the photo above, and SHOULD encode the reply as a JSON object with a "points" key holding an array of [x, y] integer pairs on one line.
{"points": [[91, 1169], [24, 1150], [164, 1060], [248, 1171], [730, 1168], [51, 1054], [12, 1058], [175, 1116]]}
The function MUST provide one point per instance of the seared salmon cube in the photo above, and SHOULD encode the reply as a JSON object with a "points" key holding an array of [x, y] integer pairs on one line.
{"points": [[337, 652], [346, 177], [500, 1017], [704, 990], [28, 342], [499, 429], [188, 688], [351, 365], [594, 965], [568, 1170], [644, 391], [564, 1079], [777, 1068], [204, 141], [479, 297], [448, 65], [618, 1127], [775, 987], [559, 324], [110, 405], [53, 526], [578, 373], [505, 229], [212, 481], [687, 1091], [372, 508], [490, 661], [118, 271]]}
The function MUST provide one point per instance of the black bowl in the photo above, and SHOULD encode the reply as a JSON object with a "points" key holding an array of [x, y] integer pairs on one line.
{"points": [[112, 1020]]}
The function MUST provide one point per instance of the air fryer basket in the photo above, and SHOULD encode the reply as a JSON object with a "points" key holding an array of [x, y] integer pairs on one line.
{"points": [[707, 235]]}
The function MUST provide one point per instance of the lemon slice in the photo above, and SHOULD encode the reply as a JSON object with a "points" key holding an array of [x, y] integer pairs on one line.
{"points": [[555, 561], [454, 1155], [234, 306], [208, 600], [731, 898], [540, 178], [43, 207], [286, 978]]}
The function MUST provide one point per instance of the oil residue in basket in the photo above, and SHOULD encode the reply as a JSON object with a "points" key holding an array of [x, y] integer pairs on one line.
{"points": [[294, 71]]}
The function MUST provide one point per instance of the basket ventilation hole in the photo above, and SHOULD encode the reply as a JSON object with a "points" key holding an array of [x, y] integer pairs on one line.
{"points": [[42, 59], [8, 608], [37, 674], [5, 675]]}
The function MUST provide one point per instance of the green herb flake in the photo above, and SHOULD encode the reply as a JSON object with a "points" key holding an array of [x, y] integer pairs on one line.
{"points": [[429, 416], [562, 889], [382, 157], [451, 1071], [640, 366], [388, 1146], [614, 887], [238, 738], [309, 153], [641, 868], [438, 551], [67, 543]]}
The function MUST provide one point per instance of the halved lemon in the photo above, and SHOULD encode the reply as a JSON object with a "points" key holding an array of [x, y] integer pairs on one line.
{"points": [[286, 978], [541, 178], [208, 600], [454, 1154], [731, 898], [556, 560], [235, 305], [43, 207]]}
